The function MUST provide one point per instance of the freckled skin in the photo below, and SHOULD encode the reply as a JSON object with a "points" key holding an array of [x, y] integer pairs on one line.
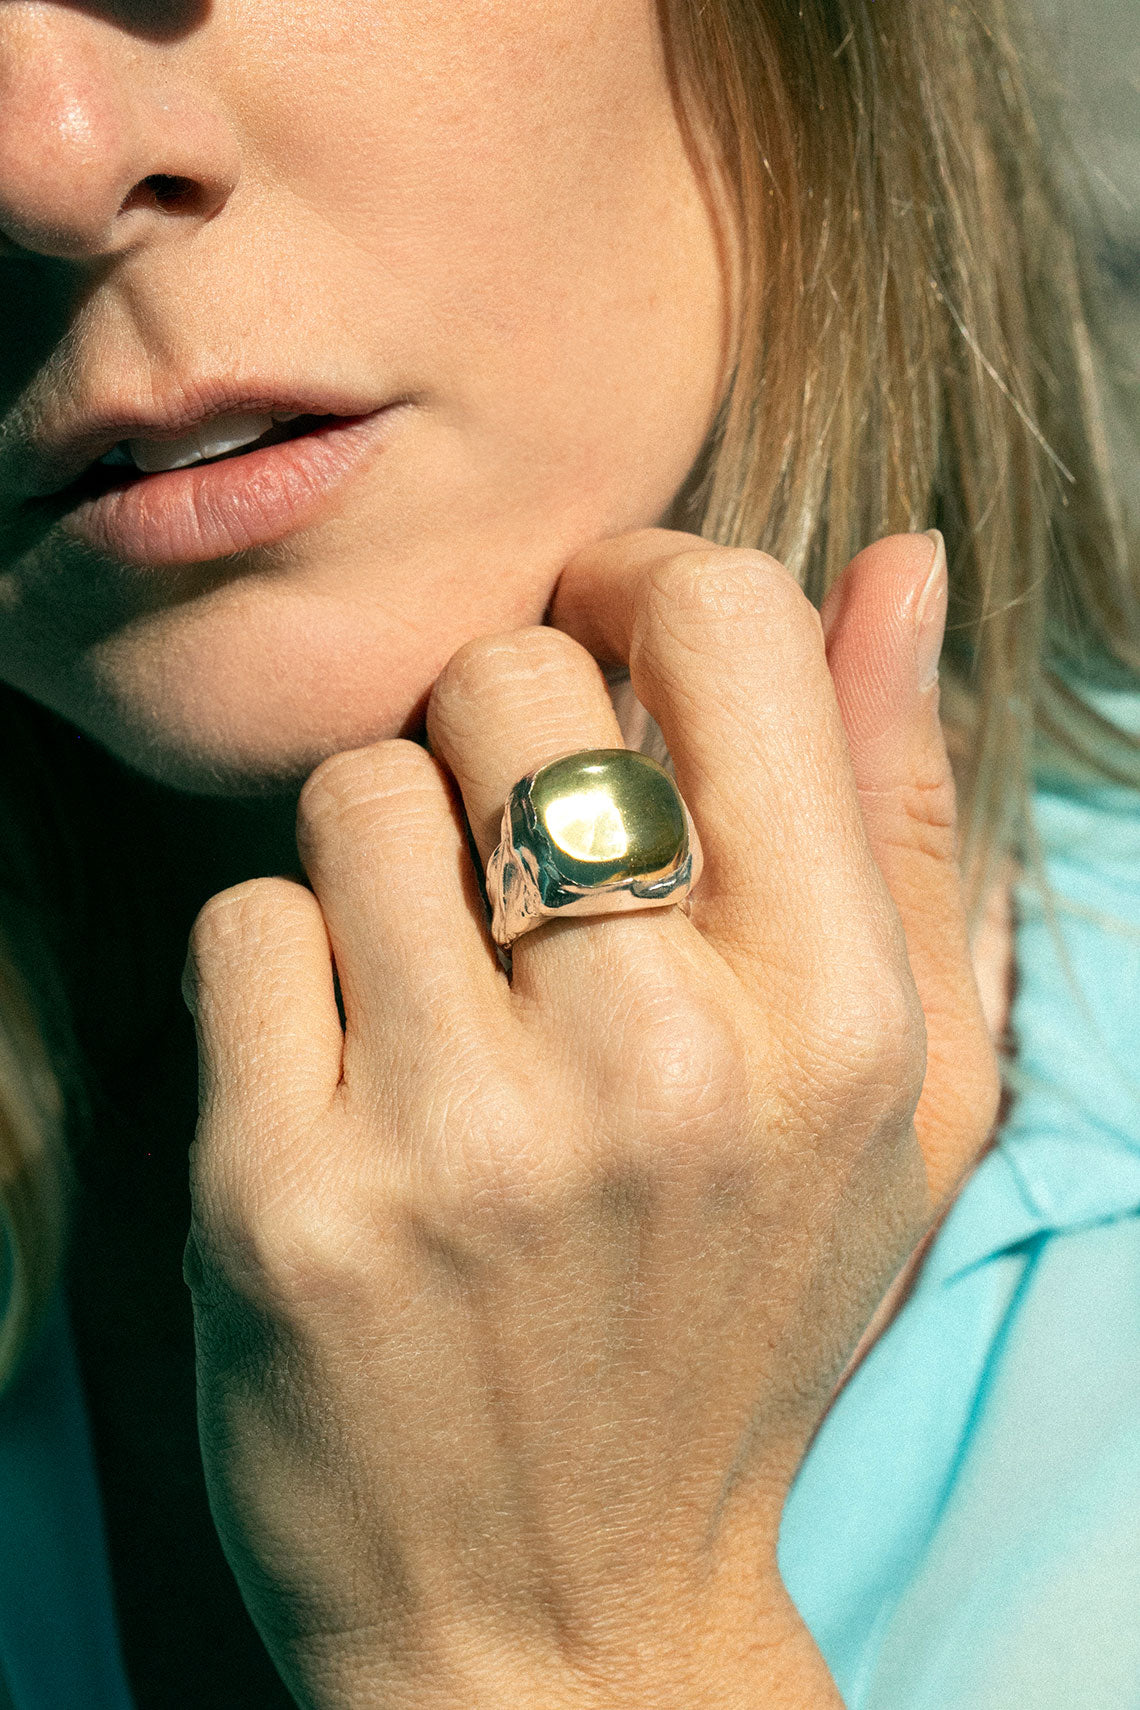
{"points": [[485, 206]]}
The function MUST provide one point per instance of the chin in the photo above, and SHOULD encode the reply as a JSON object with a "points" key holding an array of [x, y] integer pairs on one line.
{"points": [[243, 687], [265, 747], [225, 769], [245, 716]]}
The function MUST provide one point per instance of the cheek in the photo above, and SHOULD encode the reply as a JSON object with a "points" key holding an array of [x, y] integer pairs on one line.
{"points": [[508, 185]]}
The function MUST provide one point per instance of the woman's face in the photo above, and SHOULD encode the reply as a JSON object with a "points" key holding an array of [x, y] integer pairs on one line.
{"points": [[481, 212]]}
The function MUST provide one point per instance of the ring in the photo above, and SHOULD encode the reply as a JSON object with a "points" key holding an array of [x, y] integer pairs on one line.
{"points": [[596, 832]]}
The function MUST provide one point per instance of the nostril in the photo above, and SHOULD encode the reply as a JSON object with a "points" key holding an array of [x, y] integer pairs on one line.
{"points": [[170, 191], [162, 190]]}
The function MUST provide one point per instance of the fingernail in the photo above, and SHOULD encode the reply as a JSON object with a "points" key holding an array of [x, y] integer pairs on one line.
{"points": [[930, 616]]}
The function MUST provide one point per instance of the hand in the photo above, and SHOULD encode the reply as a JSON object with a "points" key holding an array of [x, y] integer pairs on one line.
{"points": [[517, 1304]]}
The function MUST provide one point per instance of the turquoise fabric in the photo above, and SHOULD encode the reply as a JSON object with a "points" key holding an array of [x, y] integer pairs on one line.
{"points": [[966, 1529], [58, 1644]]}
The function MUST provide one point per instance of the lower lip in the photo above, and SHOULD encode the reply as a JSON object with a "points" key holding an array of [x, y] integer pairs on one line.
{"points": [[188, 516]]}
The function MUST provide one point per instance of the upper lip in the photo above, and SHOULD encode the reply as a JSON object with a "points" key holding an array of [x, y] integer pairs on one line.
{"points": [[66, 441]]}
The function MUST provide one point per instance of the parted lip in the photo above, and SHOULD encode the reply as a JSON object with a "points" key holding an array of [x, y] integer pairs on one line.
{"points": [[68, 439]]}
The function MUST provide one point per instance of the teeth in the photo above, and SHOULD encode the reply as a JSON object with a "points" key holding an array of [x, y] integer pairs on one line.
{"points": [[151, 455], [226, 433]]}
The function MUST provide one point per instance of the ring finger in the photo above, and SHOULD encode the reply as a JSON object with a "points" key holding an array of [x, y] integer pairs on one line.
{"points": [[503, 707]]}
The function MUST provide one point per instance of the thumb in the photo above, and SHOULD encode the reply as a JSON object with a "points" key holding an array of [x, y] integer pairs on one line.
{"points": [[884, 624]]}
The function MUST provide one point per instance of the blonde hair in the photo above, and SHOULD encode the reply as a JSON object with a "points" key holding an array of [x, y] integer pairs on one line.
{"points": [[914, 350]]}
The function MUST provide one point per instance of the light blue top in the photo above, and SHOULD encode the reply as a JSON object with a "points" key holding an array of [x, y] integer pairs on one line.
{"points": [[966, 1529], [965, 1533]]}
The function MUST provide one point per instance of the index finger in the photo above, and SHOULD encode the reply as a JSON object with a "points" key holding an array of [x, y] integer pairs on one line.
{"points": [[727, 654]]}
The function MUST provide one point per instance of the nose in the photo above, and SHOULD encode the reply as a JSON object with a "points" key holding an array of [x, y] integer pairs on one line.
{"points": [[103, 139]]}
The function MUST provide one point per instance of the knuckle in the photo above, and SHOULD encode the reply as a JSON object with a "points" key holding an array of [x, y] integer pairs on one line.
{"points": [[528, 671], [487, 1167], [924, 817], [355, 791], [309, 1254], [243, 918], [503, 1185], [280, 1249], [702, 590], [667, 1104], [531, 664], [677, 1073], [865, 1042]]}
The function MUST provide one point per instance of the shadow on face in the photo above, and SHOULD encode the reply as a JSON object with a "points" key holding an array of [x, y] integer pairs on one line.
{"points": [[154, 20]]}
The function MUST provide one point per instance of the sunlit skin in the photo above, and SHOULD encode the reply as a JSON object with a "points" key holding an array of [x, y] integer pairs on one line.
{"points": [[518, 1300], [486, 208]]}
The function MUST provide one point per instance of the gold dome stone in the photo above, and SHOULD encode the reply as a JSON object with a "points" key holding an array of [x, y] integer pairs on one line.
{"points": [[609, 814]]}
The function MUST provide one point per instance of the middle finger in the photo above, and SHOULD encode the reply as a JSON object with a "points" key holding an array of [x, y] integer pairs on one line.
{"points": [[728, 656]]}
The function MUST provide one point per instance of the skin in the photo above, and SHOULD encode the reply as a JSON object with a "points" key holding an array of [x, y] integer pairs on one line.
{"points": [[444, 165], [574, 1263], [525, 1459]]}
